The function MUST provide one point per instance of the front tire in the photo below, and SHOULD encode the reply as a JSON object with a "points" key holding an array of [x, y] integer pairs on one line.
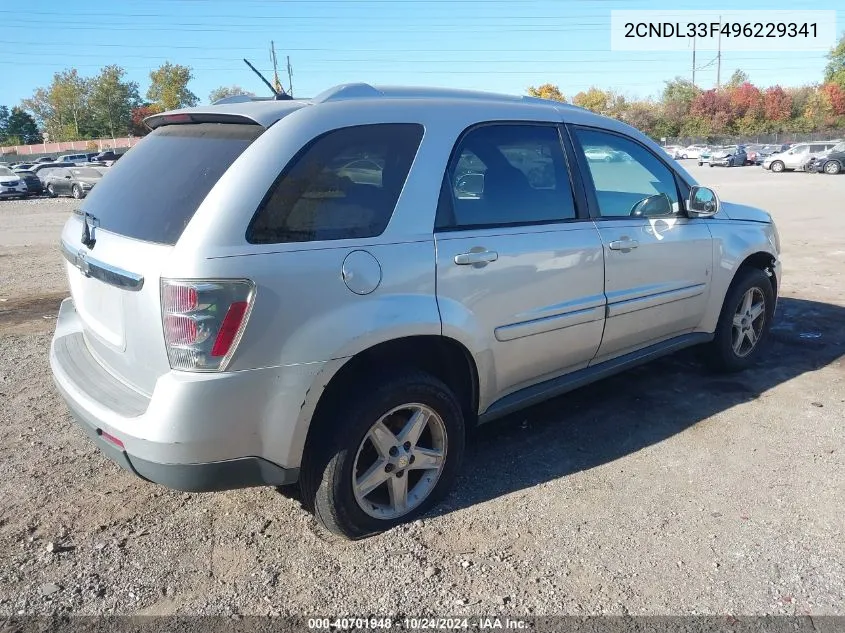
{"points": [[832, 167], [744, 322], [50, 191], [77, 192], [777, 166], [388, 456]]}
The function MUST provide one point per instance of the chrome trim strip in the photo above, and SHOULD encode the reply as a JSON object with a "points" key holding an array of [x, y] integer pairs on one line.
{"points": [[102, 271], [549, 323], [626, 306]]}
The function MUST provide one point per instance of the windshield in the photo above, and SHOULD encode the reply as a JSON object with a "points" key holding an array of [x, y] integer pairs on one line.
{"points": [[153, 191], [5, 171]]}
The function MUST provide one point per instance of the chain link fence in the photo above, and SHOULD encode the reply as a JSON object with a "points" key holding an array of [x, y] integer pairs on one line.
{"points": [[761, 139]]}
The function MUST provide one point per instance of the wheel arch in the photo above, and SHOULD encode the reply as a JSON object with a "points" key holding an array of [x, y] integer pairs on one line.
{"points": [[443, 357], [761, 260]]}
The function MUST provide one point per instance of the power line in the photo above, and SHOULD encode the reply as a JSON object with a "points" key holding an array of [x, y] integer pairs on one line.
{"points": [[363, 72], [451, 61]]}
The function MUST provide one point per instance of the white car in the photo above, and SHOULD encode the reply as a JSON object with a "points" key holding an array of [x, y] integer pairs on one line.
{"points": [[11, 185], [675, 151], [692, 151]]}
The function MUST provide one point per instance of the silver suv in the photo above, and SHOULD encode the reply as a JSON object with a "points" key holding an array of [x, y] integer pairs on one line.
{"points": [[332, 291], [797, 156]]}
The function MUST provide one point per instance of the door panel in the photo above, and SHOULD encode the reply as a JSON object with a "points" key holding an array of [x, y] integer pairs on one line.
{"points": [[658, 289], [539, 308], [515, 266], [658, 262]]}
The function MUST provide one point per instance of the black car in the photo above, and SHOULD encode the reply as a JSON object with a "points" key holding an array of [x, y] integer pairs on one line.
{"points": [[831, 163], [33, 183], [46, 159], [72, 181], [108, 155]]}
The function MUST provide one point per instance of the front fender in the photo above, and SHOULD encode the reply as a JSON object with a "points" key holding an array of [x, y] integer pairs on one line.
{"points": [[733, 242]]}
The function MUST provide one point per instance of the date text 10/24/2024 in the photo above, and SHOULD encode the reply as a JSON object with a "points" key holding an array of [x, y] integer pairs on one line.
{"points": [[418, 624], [726, 30]]}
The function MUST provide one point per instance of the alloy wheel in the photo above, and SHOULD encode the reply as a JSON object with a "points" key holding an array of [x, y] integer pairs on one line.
{"points": [[748, 322], [399, 461]]}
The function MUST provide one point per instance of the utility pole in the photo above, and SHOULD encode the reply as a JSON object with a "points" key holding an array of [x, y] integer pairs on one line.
{"points": [[719, 58], [693, 59], [290, 77]]}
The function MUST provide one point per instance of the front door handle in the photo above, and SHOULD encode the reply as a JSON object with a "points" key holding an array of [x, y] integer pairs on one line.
{"points": [[476, 257], [624, 244]]}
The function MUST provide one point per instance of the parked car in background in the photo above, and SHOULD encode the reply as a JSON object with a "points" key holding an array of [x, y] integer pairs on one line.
{"points": [[46, 159], [33, 183], [729, 156], [42, 169], [752, 154], [675, 151], [20, 166], [244, 312], [797, 156], [72, 181], [109, 156], [704, 156], [832, 162], [11, 184], [73, 158], [692, 151]]}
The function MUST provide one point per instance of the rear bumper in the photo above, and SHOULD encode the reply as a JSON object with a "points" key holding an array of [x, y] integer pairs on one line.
{"points": [[230, 474], [196, 432]]}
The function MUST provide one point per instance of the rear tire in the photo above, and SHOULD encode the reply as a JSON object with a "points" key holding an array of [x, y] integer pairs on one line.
{"points": [[744, 322], [50, 191], [353, 448], [77, 192]]}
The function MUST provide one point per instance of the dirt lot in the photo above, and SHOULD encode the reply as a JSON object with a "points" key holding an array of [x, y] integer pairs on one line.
{"points": [[662, 491]]}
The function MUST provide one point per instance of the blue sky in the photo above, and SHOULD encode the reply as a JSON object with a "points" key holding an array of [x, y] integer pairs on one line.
{"points": [[501, 45]]}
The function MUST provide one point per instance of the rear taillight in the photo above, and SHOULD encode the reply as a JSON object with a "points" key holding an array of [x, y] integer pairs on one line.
{"points": [[203, 321]]}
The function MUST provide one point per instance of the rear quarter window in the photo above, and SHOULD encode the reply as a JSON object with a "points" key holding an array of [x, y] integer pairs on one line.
{"points": [[343, 184]]}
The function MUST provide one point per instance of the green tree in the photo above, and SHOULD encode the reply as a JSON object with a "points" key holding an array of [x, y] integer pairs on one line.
{"points": [[111, 101], [62, 108], [227, 91], [834, 72], [4, 122], [738, 78], [677, 98], [22, 126], [547, 91], [594, 99], [169, 87]]}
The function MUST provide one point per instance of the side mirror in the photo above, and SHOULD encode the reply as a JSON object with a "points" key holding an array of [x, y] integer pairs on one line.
{"points": [[703, 202]]}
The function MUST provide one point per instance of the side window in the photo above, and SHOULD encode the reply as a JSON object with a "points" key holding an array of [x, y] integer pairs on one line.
{"points": [[507, 174], [629, 180], [344, 184]]}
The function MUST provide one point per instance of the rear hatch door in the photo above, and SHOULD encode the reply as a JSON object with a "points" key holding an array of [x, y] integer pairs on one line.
{"points": [[119, 238]]}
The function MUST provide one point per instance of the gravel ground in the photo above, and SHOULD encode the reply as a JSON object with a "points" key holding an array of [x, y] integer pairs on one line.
{"points": [[662, 491]]}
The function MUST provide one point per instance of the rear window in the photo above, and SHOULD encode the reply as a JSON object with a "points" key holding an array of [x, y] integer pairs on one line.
{"points": [[154, 190], [344, 184]]}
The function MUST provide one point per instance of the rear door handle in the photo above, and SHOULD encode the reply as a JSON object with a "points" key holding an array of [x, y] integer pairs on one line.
{"points": [[476, 257], [623, 244]]}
